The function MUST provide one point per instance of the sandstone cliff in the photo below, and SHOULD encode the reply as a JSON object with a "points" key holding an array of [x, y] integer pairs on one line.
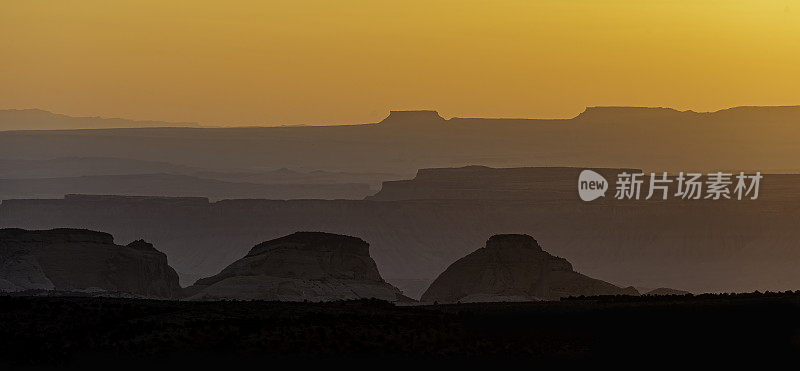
{"points": [[311, 266], [83, 260], [514, 267]]}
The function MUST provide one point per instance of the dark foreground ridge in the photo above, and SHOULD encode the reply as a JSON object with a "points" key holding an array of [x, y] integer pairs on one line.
{"points": [[79, 332]]}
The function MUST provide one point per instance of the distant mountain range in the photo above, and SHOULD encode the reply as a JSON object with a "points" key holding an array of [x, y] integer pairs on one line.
{"points": [[657, 139], [37, 119]]}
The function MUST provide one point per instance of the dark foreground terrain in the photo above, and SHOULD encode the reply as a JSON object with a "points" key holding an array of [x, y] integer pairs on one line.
{"points": [[101, 332]]}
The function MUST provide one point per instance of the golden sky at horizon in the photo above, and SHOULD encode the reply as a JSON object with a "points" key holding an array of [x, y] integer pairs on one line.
{"points": [[318, 61]]}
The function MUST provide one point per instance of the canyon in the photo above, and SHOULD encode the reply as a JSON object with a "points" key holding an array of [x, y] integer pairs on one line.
{"points": [[698, 246]]}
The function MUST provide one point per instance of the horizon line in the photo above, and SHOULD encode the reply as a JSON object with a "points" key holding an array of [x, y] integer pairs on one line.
{"points": [[196, 125]]}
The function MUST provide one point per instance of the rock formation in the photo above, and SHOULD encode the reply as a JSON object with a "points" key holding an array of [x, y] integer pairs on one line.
{"points": [[413, 118], [513, 267], [415, 235], [311, 266], [83, 260]]}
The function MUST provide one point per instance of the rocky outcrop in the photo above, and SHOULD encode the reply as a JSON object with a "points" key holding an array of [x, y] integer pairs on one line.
{"points": [[513, 267], [83, 260], [312, 266]]}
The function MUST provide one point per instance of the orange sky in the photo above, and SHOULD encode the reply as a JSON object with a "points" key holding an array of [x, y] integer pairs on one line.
{"points": [[323, 61]]}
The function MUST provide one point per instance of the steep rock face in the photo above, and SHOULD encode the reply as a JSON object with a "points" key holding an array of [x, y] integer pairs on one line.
{"points": [[312, 266], [82, 260], [514, 267]]}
